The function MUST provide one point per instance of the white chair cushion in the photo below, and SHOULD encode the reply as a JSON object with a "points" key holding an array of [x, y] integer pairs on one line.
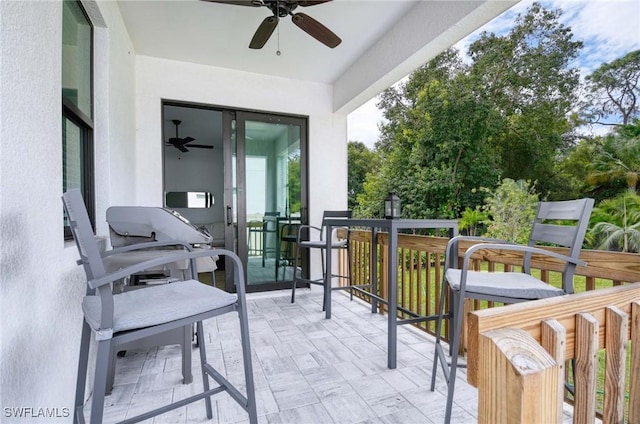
{"points": [[320, 244], [158, 304], [508, 284]]}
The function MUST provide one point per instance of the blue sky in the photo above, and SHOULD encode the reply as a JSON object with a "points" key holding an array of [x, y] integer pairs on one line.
{"points": [[608, 28]]}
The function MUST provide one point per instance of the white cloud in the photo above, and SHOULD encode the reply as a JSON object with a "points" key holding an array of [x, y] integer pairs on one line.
{"points": [[608, 28], [363, 123]]}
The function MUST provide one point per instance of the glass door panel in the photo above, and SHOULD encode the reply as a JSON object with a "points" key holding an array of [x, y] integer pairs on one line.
{"points": [[271, 171]]}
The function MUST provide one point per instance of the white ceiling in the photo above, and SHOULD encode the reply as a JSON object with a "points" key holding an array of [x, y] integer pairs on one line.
{"points": [[382, 40], [219, 34]]}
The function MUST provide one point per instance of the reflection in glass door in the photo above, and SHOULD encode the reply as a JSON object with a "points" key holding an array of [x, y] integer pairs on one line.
{"points": [[269, 194]]}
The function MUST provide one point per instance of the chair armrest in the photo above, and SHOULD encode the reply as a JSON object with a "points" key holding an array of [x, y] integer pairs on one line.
{"points": [[518, 248], [302, 227], [454, 242], [151, 263], [139, 246]]}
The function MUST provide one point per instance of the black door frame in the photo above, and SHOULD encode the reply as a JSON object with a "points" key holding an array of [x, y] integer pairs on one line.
{"points": [[238, 117]]}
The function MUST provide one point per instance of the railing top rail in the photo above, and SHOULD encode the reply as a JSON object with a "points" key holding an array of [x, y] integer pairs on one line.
{"points": [[616, 266], [528, 316]]}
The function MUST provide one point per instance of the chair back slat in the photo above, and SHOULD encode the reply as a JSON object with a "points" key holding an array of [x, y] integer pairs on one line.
{"points": [[562, 235], [570, 235], [572, 210], [333, 214], [83, 234]]}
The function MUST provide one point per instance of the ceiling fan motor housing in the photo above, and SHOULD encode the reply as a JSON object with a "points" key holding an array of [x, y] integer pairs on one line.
{"points": [[281, 9]]}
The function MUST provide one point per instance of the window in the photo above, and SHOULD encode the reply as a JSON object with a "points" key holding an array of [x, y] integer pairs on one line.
{"points": [[77, 104]]}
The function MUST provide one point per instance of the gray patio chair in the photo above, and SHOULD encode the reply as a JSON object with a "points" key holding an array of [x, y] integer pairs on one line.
{"points": [[557, 223], [116, 319], [305, 240]]}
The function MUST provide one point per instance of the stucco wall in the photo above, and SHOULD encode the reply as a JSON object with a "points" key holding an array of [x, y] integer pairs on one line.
{"points": [[41, 287]]}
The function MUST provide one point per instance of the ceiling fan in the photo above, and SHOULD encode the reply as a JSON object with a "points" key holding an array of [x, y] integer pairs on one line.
{"points": [[182, 143], [281, 9]]}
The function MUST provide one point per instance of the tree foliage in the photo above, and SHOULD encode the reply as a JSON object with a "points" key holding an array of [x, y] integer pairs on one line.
{"points": [[617, 159], [361, 161], [614, 90], [526, 75], [512, 209], [617, 224], [454, 127]]}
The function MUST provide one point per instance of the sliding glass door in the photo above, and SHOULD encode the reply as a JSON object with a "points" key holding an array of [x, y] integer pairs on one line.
{"points": [[269, 194], [250, 169]]}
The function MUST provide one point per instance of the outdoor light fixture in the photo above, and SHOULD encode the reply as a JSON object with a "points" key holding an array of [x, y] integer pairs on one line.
{"points": [[392, 206]]}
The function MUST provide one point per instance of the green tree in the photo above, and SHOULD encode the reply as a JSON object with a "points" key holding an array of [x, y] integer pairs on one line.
{"points": [[572, 169], [472, 220], [435, 142], [361, 161], [293, 171], [526, 74], [454, 127], [617, 224], [512, 208], [617, 159], [614, 91]]}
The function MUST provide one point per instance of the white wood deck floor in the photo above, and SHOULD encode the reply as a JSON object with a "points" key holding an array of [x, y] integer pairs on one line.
{"points": [[307, 369]]}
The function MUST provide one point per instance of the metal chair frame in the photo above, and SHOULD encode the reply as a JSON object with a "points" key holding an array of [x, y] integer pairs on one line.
{"points": [[304, 241], [99, 284], [543, 231]]}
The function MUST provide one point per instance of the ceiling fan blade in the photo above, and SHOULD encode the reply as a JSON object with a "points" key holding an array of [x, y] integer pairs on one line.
{"points": [[252, 3], [182, 149], [180, 141], [263, 32], [305, 3], [201, 146], [316, 29]]}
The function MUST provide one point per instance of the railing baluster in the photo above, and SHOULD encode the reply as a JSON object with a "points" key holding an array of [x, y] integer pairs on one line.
{"points": [[553, 338], [616, 345], [634, 383], [587, 332]]}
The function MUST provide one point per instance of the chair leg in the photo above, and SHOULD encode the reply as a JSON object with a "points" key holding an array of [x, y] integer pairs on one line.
{"points": [[187, 376], [449, 370], [112, 371], [248, 367], [455, 352], [328, 280], [295, 274], [438, 354], [81, 379], [203, 361], [100, 380], [349, 276]]}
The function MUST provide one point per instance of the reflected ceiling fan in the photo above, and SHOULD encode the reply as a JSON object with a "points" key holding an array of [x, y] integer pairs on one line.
{"points": [[281, 9], [182, 143]]}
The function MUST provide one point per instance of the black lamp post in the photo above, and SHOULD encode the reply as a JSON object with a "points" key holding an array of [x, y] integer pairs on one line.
{"points": [[392, 206]]}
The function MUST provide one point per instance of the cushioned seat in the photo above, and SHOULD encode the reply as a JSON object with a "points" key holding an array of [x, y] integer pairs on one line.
{"points": [[513, 284], [158, 304]]}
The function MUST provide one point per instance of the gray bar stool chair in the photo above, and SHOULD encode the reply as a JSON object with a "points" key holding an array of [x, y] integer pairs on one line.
{"points": [[116, 319], [306, 240], [557, 223]]}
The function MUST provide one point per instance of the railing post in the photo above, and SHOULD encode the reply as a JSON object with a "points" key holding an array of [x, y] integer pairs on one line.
{"points": [[518, 379], [634, 389]]}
